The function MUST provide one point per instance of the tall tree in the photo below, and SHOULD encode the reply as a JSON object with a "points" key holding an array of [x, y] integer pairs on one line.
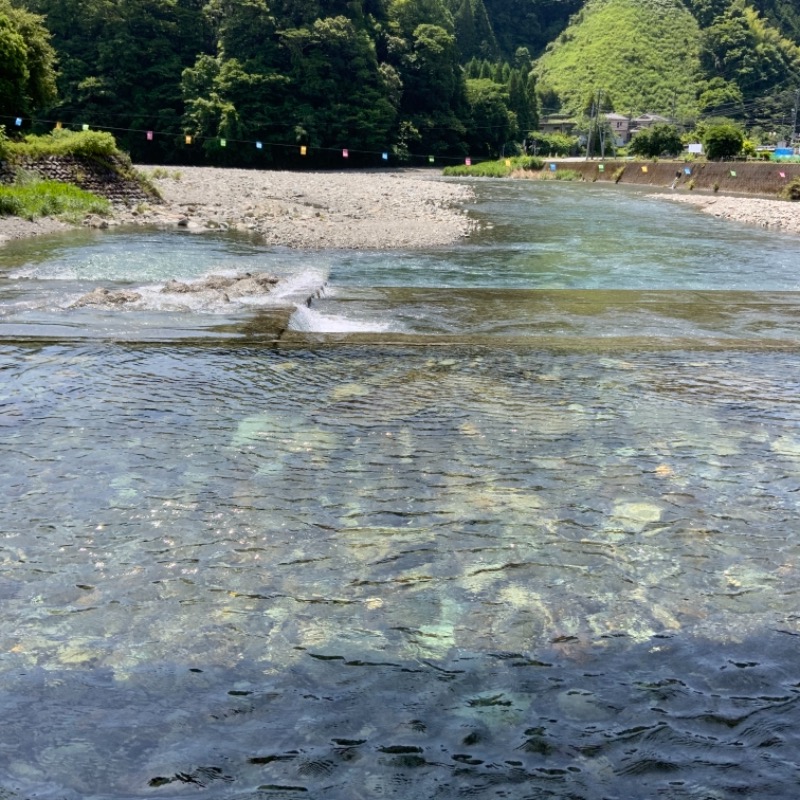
{"points": [[121, 62], [27, 62]]}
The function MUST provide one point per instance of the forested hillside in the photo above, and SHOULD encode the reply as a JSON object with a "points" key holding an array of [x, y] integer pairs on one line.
{"points": [[680, 58], [254, 81]]}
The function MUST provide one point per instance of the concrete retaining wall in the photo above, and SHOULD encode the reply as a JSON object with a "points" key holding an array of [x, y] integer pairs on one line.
{"points": [[103, 179], [752, 177]]}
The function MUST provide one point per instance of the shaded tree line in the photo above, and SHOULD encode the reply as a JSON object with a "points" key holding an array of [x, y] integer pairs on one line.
{"points": [[368, 75]]}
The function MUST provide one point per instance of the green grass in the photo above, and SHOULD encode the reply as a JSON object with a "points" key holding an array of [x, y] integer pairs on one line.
{"points": [[50, 199], [495, 169], [567, 175]]}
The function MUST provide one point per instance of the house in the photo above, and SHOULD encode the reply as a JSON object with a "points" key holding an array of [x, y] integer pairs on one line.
{"points": [[625, 128], [557, 124], [620, 127]]}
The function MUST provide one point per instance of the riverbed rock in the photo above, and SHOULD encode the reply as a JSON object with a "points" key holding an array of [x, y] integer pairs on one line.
{"points": [[243, 285], [105, 297]]}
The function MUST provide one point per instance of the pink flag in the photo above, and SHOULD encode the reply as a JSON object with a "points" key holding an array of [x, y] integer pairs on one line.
{"points": [[149, 136], [782, 174], [345, 154], [468, 162]]}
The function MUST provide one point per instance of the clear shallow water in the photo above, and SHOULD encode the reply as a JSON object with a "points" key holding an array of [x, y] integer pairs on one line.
{"points": [[467, 560]]}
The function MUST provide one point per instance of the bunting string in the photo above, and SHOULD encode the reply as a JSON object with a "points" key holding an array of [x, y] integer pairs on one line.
{"points": [[190, 140]]}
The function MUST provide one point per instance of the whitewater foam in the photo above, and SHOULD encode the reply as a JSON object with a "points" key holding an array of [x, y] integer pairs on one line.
{"points": [[309, 320]]}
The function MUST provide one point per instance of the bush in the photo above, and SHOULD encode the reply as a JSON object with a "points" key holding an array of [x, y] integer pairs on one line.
{"points": [[4, 143], [527, 162], [495, 169], [84, 144], [655, 140], [568, 175], [723, 140], [792, 190]]}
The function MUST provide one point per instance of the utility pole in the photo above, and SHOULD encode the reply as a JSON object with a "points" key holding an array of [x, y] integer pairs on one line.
{"points": [[600, 132], [595, 115]]}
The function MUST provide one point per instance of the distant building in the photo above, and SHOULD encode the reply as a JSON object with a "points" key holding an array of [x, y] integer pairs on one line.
{"points": [[557, 124], [624, 128]]}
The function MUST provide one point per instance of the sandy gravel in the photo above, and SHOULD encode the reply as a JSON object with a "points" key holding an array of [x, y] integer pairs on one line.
{"points": [[781, 215], [353, 210], [15, 228]]}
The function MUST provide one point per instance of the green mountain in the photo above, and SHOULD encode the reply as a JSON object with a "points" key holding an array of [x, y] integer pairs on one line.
{"points": [[253, 81], [679, 58], [643, 55]]}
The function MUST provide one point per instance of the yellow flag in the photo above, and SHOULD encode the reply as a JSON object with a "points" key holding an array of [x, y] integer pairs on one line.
{"points": [[58, 126], [303, 149], [644, 169], [188, 140]]}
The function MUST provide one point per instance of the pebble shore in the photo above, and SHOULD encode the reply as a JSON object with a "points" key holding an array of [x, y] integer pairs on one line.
{"points": [[306, 210], [353, 210], [779, 215]]}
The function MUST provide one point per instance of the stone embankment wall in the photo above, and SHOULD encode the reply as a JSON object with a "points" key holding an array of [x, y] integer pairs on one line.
{"points": [[752, 177], [106, 179]]}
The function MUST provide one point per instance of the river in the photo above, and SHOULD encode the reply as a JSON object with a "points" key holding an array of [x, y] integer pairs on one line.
{"points": [[515, 518]]}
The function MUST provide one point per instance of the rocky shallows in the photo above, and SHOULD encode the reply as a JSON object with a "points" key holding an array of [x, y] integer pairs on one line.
{"points": [[220, 288]]}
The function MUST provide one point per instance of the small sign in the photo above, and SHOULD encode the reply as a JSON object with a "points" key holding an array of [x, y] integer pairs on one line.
{"points": [[303, 150], [508, 162], [58, 126], [345, 153], [149, 136], [696, 147]]}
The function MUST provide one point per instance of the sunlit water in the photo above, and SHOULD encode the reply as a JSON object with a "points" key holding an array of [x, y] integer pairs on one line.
{"points": [[513, 519]]}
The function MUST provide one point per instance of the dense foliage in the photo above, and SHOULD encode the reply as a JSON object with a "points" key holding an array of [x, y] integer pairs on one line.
{"points": [[253, 81], [27, 70], [681, 58], [722, 140], [659, 139], [642, 54]]}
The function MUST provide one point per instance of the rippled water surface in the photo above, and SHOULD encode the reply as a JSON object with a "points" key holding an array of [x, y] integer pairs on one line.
{"points": [[458, 528]]}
